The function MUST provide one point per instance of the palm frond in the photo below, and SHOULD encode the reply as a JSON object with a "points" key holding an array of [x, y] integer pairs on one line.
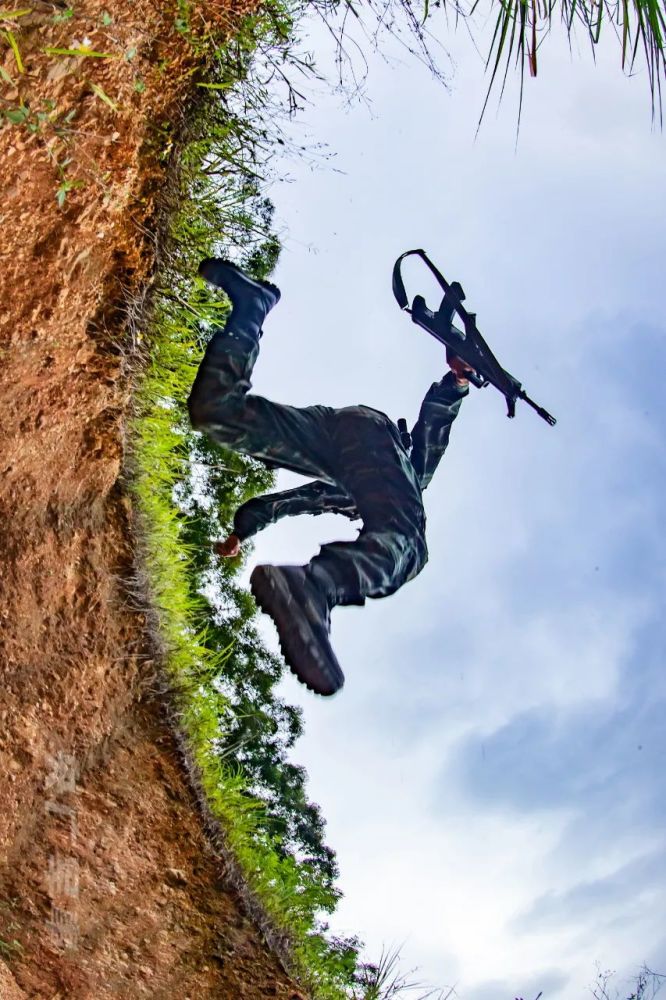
{"points": [[521, 26], [640, 26]]}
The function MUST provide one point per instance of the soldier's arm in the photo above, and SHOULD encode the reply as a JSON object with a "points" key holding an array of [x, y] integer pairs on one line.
{"points": [[310, 498], [430, 437]]}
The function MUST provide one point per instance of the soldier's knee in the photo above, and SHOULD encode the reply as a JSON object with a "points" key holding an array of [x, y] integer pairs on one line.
{"points": [[222, 413], [198, 408], [409, 548], [416, 552]]}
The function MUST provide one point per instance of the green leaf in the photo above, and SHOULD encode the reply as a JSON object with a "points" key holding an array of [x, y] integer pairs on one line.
{"points": [[6, 14], [82, 51], [103, 96], [17, 115], [9, 35]]}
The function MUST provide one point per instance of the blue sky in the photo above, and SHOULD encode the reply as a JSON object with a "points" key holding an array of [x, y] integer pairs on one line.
{"points": [[493, 772]]}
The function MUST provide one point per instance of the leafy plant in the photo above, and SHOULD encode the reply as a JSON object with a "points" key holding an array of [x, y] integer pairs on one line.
{"points": [[17, 115], [67, 184], [10, 949], [63, 190], [63, 15]]}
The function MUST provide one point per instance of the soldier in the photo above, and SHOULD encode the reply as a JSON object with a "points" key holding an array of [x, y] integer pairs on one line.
{"points": [[362, 469]]}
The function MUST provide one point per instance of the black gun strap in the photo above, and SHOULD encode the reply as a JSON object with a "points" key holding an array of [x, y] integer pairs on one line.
{"points": [[398, 283]]}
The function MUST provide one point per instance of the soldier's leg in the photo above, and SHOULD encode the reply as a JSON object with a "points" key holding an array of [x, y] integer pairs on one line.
{"points": [[220, 404], [310, 498], [371, 465]]}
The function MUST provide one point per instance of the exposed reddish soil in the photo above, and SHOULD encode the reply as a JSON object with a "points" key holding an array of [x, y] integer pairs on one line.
{"points": [[97, 819]]}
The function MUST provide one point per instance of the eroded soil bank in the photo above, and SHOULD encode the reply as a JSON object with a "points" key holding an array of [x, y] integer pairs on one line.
{"points": [[97, 820]]}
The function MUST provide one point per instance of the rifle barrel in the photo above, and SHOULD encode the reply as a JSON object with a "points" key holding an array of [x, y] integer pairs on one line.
{"points": [[544, 414]]}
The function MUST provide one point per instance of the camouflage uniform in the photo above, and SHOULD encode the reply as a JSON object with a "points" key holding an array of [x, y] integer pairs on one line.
{"points": [[355, 453], [430, 439]]}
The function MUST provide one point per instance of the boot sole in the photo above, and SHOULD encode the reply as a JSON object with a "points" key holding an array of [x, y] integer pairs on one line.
{"points": [[273, 595], [253, 282]]}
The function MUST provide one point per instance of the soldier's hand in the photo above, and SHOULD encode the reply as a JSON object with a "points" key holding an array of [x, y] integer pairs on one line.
{"points": [[229, 547], [459, 369]]}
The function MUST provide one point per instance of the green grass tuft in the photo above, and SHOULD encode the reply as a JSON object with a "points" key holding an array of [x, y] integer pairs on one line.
{"points": [[223, 207], [284, 885]]}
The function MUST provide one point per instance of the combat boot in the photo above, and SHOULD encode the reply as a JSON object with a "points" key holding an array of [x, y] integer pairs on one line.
{"points": [[300, 610], [251, 299]]}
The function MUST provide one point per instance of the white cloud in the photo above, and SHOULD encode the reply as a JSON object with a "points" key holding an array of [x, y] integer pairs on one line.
{"points": [[538, 614]]}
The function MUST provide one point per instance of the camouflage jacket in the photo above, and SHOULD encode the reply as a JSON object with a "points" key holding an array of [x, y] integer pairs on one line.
{"points": [[430, 439]]}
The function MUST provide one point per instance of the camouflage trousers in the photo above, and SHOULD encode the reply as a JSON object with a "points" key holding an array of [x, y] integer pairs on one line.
{"points": [[355, 448], [314, 497]]}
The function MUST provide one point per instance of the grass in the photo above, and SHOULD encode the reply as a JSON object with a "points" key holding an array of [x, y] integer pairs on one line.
{"points": [[10, 37], [282, 884], [220, 201], [223, 205], [10, 949]]}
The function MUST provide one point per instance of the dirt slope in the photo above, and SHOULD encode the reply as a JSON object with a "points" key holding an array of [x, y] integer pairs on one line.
{"points": [[107, 885]]}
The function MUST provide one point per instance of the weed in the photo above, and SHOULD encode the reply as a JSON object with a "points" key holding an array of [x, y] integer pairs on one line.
{"points": [[67, 184], [16, 115], [213, 663], [11, 38], [63, 15], [10, 949], [83, 51], [64, 188], [182, 22], [103, 96]]}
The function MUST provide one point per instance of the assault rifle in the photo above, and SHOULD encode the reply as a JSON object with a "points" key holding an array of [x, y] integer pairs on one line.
{"points": [[470, 345]]}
